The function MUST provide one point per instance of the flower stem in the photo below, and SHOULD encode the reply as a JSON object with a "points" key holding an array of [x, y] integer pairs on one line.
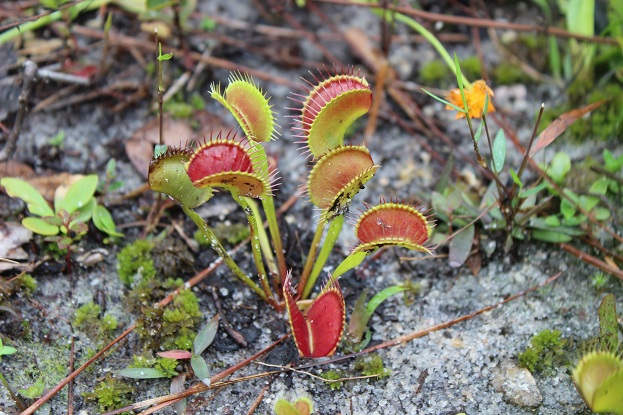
{"points": [[271, 217], [311, 255], [222, 252], [329, 242], [256, 249]]}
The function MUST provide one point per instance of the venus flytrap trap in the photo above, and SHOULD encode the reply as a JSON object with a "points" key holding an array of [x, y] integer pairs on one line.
{"points": [[599, 374], [240, 166]]}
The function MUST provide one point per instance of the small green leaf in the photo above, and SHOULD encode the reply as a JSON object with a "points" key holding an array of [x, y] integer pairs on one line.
{"points": [[574, 220], [534, 190], [552, 221], [206, 335], [516, 179], [443, 101], [64, 242], [550, 236], [35, 390], [359, 318], [102, 219], [560, 166], [498, 152], [40, 227], [461, 246], [22, 190], [142, 373], [382, 296], [600, 186], [6, 350], [111, 167], [601, 213], [85, 212], [57, 140], [349, 263], [567, 209], [200, 367], [159, 4], [79, 194], [612, 164], [608, 326]]}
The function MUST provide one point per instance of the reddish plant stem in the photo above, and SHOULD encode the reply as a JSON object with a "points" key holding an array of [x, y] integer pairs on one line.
{"points": [[589, 259], [132, 42], [257, 401], [478, 22]]}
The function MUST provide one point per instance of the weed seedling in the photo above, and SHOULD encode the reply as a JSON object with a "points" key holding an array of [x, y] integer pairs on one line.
{"points": [[73, 208]]}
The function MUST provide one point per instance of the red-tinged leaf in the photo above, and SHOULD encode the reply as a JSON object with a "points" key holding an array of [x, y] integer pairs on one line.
{"points": [[326, 321], [298, 324], [318, 333], [560, 124], [175, 354]]}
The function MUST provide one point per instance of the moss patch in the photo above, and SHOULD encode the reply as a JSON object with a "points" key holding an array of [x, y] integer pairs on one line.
{"points": [[545, 353]]}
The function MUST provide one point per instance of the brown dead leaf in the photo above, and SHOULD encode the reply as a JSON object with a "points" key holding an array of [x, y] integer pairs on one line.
{"points": [[47, 185], [12, 236], [39, 46], [14, 168], [560, 124], [139, 147]]}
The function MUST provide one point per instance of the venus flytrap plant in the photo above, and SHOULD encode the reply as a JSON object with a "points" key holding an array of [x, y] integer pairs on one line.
{"points": [[339, 172]]}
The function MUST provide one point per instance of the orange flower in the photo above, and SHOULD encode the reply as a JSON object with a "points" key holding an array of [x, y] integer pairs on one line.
{"points": [[475, 97]]}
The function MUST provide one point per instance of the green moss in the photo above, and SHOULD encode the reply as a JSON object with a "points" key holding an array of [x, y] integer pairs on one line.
{"points": [[167, 366], [172, 258], [86, 314], [232, 233], [333, 375], [546, 352], [372, 365], [507, 74], [471, 67], [27, 283], [110, 394], [134, 262], [172, 327], [603, 123], [163, 364], [41, 359], [435, 71], [87, 318]]}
